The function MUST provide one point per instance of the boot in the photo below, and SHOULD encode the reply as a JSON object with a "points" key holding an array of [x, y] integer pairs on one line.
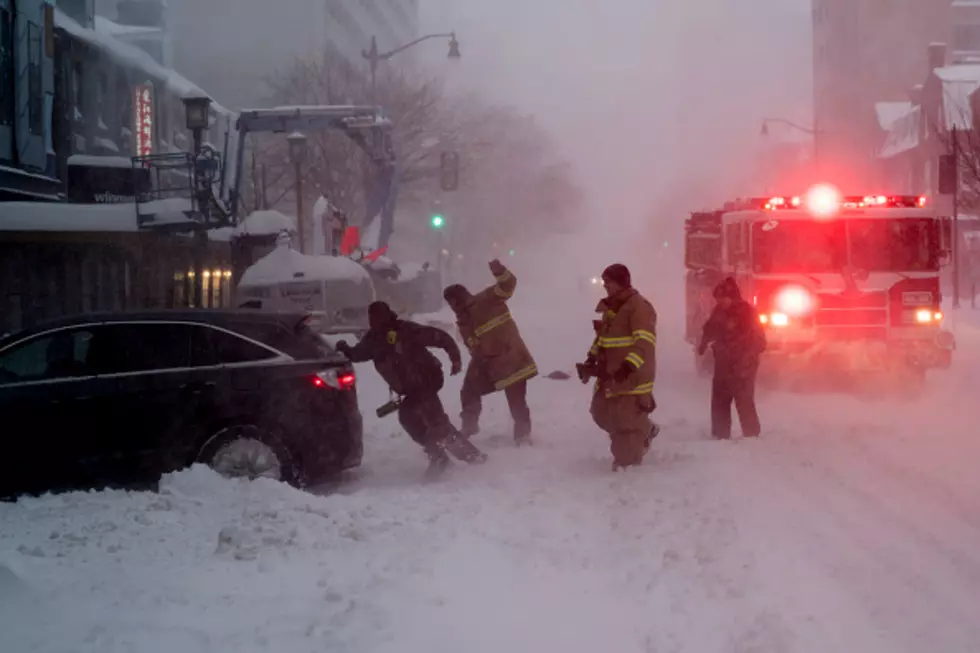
{"points": [[469, 429], [651, 436], [522, 435], [438, 461], [464, 450]]}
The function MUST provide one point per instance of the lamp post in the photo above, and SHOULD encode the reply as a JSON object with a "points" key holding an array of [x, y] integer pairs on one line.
{"points": [[197, 114], [297, 154], [197, 111], [374, 57]]}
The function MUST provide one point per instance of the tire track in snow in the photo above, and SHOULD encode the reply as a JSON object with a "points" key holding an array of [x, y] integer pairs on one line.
{"points": [[888, 564]]}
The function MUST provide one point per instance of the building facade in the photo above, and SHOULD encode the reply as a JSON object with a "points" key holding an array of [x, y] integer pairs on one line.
{"points": [[269, 36], [864, 52], [27, 161]]}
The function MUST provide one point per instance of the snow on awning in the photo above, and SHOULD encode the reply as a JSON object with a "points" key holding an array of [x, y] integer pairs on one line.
{"points": [[958, 84], [133, 56], [890, 112], [903, 134], [64, 216]]}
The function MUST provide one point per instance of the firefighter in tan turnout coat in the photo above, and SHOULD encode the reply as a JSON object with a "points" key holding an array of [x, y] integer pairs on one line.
{"points": [[623, 358], [499, 359]]}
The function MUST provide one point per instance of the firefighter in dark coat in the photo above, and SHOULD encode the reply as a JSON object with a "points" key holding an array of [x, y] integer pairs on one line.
{"points": [[737, 339], [399, 350]]}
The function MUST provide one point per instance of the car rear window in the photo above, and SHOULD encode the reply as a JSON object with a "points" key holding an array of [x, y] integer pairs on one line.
{"points": [[300, 342]]}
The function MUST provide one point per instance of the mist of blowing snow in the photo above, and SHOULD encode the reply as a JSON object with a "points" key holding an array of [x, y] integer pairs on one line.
{"points": [[651, 100]]}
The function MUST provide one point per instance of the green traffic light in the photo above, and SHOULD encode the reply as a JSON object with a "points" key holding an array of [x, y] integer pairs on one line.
{"points": [[438, 221], [511, 252]]}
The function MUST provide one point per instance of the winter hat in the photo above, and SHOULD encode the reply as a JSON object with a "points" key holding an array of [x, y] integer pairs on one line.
{"points": [[727, 288], [381, 313], [455, 291], [619, 273]]}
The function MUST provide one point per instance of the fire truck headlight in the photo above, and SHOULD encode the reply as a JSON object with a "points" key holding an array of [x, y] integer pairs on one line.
{"points": [[926, 316], [823, 201], [779, 319], [795, 301]]}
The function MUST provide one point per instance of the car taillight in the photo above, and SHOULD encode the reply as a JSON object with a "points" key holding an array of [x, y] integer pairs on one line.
{"points": [[338, 380]]}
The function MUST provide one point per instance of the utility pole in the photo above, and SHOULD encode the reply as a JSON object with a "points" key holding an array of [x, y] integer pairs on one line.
{"points": [[955, 245]]}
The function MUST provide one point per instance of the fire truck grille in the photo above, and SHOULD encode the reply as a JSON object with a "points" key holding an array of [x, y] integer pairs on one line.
{"points": [[852, 317]]}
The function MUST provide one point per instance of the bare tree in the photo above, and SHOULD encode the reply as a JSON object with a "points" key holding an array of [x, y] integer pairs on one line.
{"points": [[513, 183]]}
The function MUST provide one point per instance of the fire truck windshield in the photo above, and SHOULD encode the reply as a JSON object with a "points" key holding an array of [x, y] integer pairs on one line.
{"points": [[909, 244], [786, 246], [802, 246]]}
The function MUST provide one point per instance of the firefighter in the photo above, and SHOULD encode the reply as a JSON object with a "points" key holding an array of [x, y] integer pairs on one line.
{"points": [[737, 339], [399, 351], [623, 358], [499, 359]]}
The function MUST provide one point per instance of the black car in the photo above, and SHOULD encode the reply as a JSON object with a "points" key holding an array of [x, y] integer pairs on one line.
{"points": [[116, 400]]}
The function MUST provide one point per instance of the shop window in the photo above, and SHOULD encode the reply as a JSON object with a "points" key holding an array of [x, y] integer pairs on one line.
{"points": [[6, 72], [35, 86]]}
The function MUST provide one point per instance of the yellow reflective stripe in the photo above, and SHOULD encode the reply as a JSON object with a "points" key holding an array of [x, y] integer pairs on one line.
{"points": [[635, 359], [525, 373], [613, 343], [649, 336], [500, 292], [490, 325], [504, 277]]}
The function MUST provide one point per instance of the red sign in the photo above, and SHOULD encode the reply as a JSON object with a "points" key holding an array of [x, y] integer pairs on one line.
{"points": [[143, 120]]}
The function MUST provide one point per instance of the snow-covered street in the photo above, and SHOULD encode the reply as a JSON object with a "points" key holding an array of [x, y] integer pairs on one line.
{"points": [[850, 526]]}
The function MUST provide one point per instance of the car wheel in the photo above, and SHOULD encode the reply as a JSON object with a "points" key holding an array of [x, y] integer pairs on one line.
{"points": [[247, 451]]}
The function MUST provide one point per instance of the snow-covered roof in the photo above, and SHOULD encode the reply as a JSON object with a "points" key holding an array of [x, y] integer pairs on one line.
{"points": [[112, 28], [959, 81], [258, 223], [58, 216], [903, 134], [286, 265], [133, 56], [889, 112]]}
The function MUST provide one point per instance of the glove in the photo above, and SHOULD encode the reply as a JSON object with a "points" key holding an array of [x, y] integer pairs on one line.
{"points": [[343, 348], [585, 371], [496, 267], [623, 372], [702, 348], [456, 368]]}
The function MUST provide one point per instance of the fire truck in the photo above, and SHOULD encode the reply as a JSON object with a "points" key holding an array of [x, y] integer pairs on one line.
{"points": [[841, 284]]}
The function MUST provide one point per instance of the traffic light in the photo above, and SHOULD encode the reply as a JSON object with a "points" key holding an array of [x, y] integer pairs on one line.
{"points": [[449, 171], [437, 221]]}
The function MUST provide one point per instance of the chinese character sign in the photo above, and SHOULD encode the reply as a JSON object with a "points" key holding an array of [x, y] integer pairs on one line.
{"points": [[143, 120]]}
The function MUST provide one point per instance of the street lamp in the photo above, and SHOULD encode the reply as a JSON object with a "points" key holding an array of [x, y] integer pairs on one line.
{"points": [[297, 155], [197, 114], [374, 57], [806, 130]]}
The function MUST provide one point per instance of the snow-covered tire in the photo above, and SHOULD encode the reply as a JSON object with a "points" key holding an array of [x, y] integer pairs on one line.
{"points": [[249, 451]]}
